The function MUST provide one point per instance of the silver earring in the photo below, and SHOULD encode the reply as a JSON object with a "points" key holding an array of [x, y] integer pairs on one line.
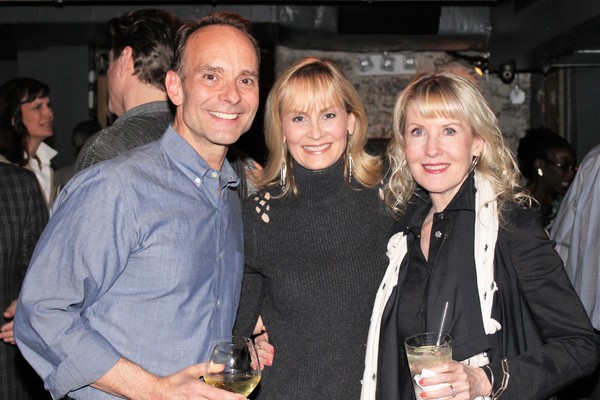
{"points": [[474, 163], [540, 172], [349, 157], [283, 172]]}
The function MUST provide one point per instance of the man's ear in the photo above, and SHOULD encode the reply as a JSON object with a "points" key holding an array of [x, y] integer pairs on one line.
{"points": [[125, 62], [174, 87]]}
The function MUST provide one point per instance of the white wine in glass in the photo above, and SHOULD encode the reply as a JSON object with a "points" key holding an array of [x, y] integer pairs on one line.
{"points": [[233, 365]]}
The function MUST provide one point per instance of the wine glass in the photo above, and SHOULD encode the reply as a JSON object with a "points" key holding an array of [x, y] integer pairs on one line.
{"points": [[233, 365]]}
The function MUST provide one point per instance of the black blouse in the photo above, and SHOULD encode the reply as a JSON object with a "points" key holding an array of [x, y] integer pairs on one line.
{"points": [[417, 303]]}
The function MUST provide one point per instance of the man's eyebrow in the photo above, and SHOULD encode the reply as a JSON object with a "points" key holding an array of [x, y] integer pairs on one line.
{"points": [[207, 68], [249, 72]]}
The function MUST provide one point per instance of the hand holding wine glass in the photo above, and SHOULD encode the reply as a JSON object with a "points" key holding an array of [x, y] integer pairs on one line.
{"points": [[233, 365]]}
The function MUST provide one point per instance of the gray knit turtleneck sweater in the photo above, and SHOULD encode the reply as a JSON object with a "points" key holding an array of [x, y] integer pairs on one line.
{"points": [[313, 265]]}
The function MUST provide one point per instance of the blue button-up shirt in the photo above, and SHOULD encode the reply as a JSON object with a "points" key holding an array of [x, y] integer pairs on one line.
{"points": [[142, 258]]}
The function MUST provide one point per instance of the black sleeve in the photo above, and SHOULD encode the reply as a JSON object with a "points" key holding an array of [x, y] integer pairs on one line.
{"points": [[571, 348], [252, 285]]}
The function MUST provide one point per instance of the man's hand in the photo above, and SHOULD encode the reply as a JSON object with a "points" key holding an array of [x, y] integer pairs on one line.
{"points": [[6, 330], [186, 384], [128, 380]]}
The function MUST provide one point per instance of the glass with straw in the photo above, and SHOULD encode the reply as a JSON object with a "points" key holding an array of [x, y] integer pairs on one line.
{"points": [[427, 350]]}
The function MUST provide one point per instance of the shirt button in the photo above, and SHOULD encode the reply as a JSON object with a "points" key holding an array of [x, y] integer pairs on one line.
{"points": [[442, 216], [198, 181], [438, 234]]}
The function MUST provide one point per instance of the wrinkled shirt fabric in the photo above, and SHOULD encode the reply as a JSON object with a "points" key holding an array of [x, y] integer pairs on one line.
{"points": [[142, 258]]}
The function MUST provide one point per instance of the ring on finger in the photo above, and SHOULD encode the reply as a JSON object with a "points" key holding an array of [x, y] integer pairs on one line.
{"points": [[452, 390]]}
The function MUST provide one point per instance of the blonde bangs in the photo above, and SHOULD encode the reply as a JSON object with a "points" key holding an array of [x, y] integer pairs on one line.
{"points": [[436, 101], [308, 93]]}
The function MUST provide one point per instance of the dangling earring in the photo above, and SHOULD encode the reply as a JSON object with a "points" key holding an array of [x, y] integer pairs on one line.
{"points": [[540, 172], [474, 163], [283, 172], [349, 157]]}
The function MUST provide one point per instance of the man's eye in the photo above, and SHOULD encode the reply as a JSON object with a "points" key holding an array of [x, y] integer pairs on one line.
{"points": [[248, 81]]}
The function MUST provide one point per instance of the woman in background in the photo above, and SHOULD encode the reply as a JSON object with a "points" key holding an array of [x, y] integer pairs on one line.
{"points": [[548, 164], [26, 119], [468, 238], [314, 237]]}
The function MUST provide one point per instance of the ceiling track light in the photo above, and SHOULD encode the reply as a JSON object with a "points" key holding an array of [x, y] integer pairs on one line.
{"points": [[364, 63], [388, 62], [478, 63]]}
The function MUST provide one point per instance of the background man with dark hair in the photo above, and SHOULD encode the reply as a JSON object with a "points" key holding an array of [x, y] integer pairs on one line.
{"points": [[140, 56]]}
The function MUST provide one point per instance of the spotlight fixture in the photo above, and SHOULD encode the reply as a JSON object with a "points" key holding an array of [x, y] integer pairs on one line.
{"points": [[479, 63], [507, 72], [364, 63], [387, 62]]}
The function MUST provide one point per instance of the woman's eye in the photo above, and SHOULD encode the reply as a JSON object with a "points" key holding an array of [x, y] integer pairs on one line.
{"points": [[329, 115], [449, 131], [417, 132], [298, 118]]}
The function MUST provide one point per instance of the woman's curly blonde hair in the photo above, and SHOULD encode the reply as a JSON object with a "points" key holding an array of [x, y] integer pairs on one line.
{"points": [[446, 95]]}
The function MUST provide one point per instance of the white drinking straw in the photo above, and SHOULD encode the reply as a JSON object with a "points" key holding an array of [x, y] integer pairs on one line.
{"points": [[439, 338]]}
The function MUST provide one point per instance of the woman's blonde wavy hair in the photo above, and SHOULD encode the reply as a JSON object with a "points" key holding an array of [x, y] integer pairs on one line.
{"points": [[446, 95], [313, 84]]}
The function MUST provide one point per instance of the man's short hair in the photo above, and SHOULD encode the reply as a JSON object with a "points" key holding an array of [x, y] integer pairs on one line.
{"points": [[216, 18], [151, 35]]}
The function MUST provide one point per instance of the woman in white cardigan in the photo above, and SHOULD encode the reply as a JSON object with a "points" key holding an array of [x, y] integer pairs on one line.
{"points": [[466, 236]]}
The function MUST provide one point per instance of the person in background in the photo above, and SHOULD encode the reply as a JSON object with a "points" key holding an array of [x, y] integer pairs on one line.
{"points": [[144, 251], [80, 135], [314, 237], [576, 231], [467, 238], [548, 164], [26, 119], [23, 215], [141, 53]]}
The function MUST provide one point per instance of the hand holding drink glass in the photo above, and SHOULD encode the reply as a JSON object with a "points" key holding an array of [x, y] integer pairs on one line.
{"points": [[425, 351], [233, 365]]}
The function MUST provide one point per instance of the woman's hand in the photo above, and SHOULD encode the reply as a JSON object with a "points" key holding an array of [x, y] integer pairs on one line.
{"points": [[6, 330], [465, 382], [266, 351]]}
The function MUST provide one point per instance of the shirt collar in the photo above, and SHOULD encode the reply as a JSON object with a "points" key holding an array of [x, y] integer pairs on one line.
{"points": [[45, 153], [420, 204], [192, 164]]}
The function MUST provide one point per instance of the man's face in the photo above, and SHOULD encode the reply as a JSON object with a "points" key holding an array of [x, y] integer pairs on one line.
{"points": [[218, 97]]}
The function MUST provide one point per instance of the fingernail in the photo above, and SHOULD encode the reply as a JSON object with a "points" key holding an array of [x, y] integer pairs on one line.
{"points": [[423, 394], [421, 382]]}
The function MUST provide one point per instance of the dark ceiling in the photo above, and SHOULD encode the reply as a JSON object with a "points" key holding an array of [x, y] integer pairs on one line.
{"points": [[534, 34]]}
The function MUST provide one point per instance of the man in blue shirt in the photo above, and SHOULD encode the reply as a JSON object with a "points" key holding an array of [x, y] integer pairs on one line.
{"points": [[140, 266]]}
